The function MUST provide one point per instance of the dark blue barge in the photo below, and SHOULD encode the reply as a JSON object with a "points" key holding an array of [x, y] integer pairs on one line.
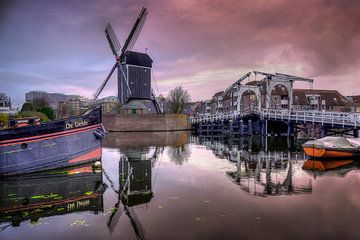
{"points": [[55, 144]]}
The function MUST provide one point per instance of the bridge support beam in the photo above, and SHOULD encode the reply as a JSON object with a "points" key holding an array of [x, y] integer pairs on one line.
{"points": [[356, 133], [241, 128], [231, 128], [262, 127], [290, 129], [322, 132], [250, 127]]}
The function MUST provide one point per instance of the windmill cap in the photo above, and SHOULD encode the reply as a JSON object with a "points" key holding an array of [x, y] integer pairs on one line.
{"points": [[137, 59]]}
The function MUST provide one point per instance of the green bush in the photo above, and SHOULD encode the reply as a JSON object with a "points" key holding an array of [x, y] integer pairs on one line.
{"points": [[27, 107], [42, 116], [48, 111], [4, 118]]}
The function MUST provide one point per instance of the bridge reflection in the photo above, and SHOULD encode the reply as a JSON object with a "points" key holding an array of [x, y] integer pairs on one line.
{"points": [[259, 171]]}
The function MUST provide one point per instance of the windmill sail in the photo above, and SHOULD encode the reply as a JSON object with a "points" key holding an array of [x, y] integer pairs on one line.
{"points": [[113, 40], [102, 86], [135, 31]]}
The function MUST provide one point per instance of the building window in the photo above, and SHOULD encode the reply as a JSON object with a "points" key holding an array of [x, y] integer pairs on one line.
{"points": [[133, 111]]}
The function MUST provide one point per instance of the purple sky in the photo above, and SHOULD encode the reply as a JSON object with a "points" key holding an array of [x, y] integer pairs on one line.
{"points": [[203, 45]]}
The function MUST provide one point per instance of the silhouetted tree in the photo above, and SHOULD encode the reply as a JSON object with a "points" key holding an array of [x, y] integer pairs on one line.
{"points": [[27, 107], [48, 111], [178, 98]]}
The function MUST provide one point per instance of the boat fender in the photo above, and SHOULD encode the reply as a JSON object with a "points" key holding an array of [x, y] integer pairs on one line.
{"points": [[100, 132]]}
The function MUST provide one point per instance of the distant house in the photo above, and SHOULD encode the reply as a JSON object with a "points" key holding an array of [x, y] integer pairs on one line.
{"points": [[217, 102], [230, 100], [355, 100], [53, 99], [5, 103], [319, 99], [188, 109], [108, 104]]}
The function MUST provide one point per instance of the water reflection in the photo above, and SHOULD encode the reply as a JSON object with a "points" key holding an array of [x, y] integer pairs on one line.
{"points": [[177, 186], [51, 193], [135, 177], [179, 154], [260, 172]]}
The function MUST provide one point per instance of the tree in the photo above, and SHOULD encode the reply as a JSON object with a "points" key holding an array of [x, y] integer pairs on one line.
{"points": [[178, 98], [48, 111], [27, 107]]}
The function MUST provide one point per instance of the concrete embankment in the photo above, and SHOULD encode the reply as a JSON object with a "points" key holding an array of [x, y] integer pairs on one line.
{"points": [[146, 122]]}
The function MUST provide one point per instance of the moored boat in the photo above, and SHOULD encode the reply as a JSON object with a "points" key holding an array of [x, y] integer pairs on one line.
{"points": [[51, 193], [56, 144], [325, 165], [332, 147]]}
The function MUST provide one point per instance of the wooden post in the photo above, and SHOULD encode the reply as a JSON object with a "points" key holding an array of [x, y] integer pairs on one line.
{"points": [[241, 128], [250, 129], [322, 132], [231, 128], [356, 133]]}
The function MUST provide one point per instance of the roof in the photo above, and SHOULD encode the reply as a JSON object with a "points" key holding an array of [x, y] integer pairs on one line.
{"points": [[331, 97], [137, 59], [355, 99], [218, 94]]}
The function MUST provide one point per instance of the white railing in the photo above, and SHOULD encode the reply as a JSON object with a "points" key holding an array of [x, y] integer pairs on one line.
{"points": [[343, 119], [334, 118], [211, 117]]}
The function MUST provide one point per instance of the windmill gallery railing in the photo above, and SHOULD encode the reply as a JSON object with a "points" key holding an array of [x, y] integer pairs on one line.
{"points": [[342, 119]]}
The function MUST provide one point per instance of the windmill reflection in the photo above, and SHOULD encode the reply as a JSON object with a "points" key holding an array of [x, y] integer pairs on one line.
{"points": [[135, 186]]}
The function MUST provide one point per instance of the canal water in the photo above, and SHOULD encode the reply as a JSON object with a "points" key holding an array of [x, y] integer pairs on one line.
{"points": [[179, 186]]}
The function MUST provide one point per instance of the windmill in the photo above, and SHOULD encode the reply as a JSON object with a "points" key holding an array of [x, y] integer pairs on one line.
{"points": [[133, 68]]}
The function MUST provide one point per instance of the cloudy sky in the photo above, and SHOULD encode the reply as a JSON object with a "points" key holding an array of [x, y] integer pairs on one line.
{"points": [[203, 45]]}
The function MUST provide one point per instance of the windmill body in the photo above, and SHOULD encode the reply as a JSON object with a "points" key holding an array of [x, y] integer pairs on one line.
{"points": [[137, 70]]}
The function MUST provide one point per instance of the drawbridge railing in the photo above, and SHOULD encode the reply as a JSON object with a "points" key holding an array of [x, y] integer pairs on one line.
{"points": [[343, 119]]}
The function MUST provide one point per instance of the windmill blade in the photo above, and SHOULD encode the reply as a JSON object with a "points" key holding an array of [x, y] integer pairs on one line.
{"points": [[135, 31], [99, 90], [115, 217], [135, 223], [112, 39]]}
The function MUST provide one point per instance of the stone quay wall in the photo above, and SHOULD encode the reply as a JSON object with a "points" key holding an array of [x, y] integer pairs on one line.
{"points": [[145, 122]]}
